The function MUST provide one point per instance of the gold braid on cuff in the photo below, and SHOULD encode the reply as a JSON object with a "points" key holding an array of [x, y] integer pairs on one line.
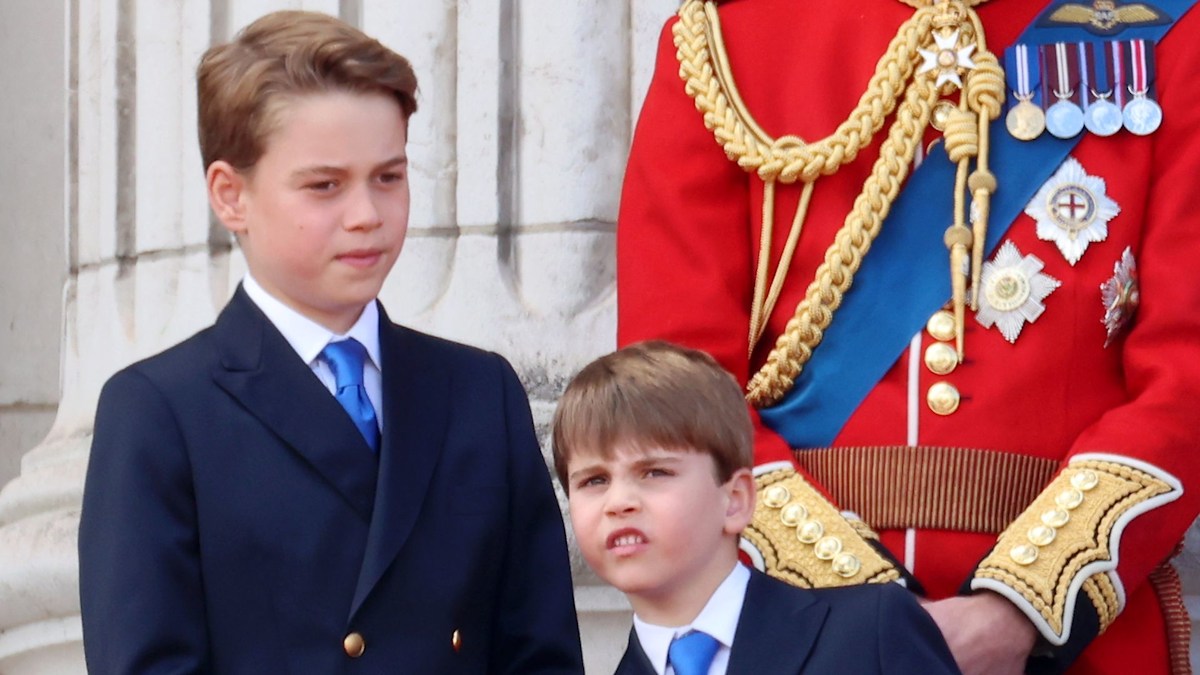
{"points": [[1067, 541], [804, 540]]}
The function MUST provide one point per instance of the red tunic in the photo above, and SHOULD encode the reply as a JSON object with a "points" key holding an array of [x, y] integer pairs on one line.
{"points": [[688, 234]]}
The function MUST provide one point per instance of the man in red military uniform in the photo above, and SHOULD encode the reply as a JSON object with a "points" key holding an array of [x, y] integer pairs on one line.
{"points": [[980, 375]]}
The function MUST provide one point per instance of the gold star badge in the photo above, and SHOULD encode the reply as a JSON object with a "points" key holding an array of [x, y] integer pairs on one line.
{"points": [[1014, 287]]}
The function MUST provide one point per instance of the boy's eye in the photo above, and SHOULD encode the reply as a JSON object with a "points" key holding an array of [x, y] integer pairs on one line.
{"points": [[391, 177], [656, 472], [591, 481], [321, 185]]}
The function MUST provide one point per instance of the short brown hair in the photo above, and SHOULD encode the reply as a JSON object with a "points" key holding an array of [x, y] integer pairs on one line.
{"points": [[654, 393], [241, 84]]}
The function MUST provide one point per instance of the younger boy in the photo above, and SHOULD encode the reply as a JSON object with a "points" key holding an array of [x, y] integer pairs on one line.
{"points": [[306, 487], [653, 444]]}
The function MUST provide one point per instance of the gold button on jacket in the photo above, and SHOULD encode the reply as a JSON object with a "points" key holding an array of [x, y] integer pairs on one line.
{"points": [[355, 645]]}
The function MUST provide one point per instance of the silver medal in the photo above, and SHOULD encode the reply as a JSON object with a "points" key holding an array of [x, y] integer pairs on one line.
{"points": [[1142, 116], [1103, 117], [1064, 119]]}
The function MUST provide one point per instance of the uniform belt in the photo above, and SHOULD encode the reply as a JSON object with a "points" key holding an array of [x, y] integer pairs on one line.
{"points": [[926, 487]]}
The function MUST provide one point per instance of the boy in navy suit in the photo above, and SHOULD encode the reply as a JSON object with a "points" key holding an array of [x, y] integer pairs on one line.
{"points": [[306, 487], [653, 443]]}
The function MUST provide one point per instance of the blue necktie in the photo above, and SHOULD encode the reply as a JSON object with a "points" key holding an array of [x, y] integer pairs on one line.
{"points": [[345, 359], [692, 654]]}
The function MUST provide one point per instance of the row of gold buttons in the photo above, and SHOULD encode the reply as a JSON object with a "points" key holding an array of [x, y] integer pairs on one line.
{"points": [[811, 531], [1066, 501], [941, 359]]}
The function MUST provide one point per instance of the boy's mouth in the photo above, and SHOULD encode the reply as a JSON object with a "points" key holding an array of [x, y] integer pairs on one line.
{"points": [[361, 258], [625, 540]]}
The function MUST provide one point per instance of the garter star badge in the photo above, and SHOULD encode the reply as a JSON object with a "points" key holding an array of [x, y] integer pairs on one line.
{"points": [[1120, 296], [1072, 210], [1014, 287]]}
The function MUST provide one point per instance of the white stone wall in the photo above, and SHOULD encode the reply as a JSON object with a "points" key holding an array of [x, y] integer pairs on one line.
{"points": [[111, 254]]}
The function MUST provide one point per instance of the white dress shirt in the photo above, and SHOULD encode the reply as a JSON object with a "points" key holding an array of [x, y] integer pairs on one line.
{"points": [[719, 618], [308, 338]]}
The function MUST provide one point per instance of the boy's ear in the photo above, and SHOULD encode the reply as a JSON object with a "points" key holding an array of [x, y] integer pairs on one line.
{"points": [[226, 186], [739, 510]]}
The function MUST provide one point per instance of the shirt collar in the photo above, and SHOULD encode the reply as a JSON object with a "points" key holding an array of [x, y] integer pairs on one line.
{"points": [[308, 337], [719, 618]]}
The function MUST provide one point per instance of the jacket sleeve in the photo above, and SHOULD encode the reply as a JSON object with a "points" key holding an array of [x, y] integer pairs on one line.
{"points": [[685, 273], [534, 627], [140, 586]]}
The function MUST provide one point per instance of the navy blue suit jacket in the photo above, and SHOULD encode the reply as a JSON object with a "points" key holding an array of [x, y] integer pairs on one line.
{"points": [[784, 630], [235, 521]]}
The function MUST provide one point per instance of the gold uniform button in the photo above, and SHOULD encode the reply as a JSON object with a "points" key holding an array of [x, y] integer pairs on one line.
{"points": [[827, 548], [355, 645], [776, 496], [1056, 517], [943, 398], [1024, 554], [941, 326], [1085, 480], [943, 108], [941, 358], [846, 565], [1041, 535], [793, 514], [456, 640], [1069, 499], [810, 531]]}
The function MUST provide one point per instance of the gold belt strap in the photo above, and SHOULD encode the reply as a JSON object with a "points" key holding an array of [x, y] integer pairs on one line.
{"points": [[1166, 584], [926, 487]]}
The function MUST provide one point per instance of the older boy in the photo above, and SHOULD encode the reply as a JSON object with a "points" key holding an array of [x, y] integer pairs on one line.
{"points": [[653, 444], [306, 487]]}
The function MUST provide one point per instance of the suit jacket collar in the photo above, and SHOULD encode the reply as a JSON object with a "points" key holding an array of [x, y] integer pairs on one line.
{"points": [[634, 661], [261, 370], [770, 604]]}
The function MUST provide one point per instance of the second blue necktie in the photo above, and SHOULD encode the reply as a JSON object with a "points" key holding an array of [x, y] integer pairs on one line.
{"points": [[693, 653]]}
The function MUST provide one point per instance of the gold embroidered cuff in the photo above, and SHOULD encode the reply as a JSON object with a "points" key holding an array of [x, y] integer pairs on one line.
{"points": [[801, 538], [1068, 540]]}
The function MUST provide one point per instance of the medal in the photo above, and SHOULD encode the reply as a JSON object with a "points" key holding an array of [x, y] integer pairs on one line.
{"points": [[1014, 287], [1064, 119], [1025, 120], [1072, 210], [1102, 117], [1142, 115], [1120, 296]]}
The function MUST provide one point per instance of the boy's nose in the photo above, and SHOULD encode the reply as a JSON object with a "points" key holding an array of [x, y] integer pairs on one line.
{"points": [[622, 499], [362, 211]]}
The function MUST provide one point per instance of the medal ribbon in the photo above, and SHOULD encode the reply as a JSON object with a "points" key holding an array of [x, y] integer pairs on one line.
{"points": [[1141, 67], [1084, 91], [1098, 62], [1118, 64]]}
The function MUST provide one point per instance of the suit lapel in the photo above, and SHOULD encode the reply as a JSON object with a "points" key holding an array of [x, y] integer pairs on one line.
{"points": [[416, 406], [634, 661], [769, 604], [266, 376]]}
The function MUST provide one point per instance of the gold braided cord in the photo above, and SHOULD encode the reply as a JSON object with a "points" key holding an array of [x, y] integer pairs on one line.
{"points": [[704, 68], [814, 313], [918, 4]]}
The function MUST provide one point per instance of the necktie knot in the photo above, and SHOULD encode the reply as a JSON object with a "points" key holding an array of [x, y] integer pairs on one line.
{"points": [[346, 359], [693, 653]]}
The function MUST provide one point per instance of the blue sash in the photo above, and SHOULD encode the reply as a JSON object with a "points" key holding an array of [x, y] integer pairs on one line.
{"points": [[897, 289]]}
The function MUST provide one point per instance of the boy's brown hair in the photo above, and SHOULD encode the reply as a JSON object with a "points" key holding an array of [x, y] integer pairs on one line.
{"points": [[242, 85], [654, 394]]}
